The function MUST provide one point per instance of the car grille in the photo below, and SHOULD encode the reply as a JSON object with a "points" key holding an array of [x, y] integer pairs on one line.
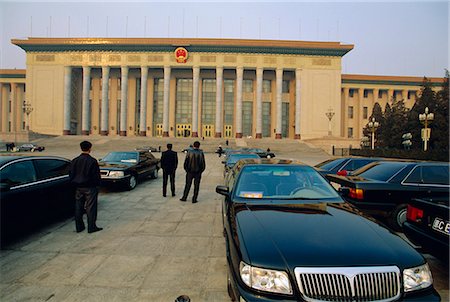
{"points": [[349, 284]]}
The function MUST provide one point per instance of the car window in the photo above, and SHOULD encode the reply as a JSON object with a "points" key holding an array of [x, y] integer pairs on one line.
{"points": [[382, 171], [355, 164], [282, 182], [437, 175], [48, 168], [18, 173], [415, 177], [330, 164]]}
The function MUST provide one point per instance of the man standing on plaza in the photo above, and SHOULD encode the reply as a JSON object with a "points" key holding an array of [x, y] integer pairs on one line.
{"points": [[169, 164], [85, 176], [194, 165]]}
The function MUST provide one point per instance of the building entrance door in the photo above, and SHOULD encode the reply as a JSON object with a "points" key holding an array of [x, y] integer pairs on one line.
{"points": [[183, 130], [228, 131], [208, 130], [158, 130]]}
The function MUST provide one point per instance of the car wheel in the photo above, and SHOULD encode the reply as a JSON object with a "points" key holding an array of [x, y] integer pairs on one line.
{"points": [[132, 182], [398, 217], [154, 174]]}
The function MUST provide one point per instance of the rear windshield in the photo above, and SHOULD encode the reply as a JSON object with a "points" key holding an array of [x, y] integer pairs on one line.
{"points": [[330, 164], [282, 182], [381, 171]]}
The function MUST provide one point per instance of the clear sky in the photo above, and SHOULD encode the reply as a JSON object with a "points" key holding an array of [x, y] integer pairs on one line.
{"points": [[405, 38]]}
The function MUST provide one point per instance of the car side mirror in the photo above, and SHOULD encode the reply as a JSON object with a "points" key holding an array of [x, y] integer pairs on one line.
{"points": [[344, 191], [223, 190]]}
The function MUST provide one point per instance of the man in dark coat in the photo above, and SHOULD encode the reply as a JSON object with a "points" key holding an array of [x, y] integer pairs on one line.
{"points": [[169, 164], [194, 165], [85, 176]]}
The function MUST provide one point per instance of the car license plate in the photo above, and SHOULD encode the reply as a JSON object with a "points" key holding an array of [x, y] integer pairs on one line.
{"points": [[441, 226]]}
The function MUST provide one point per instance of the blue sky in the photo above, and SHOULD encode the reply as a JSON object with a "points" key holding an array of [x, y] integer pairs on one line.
{"points": [[408, 38]]}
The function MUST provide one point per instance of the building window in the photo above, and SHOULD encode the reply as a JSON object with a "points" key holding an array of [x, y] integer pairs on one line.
{"points": [[208, 101], [350, 132], [366, 93], [285, 86], [158, 102], [351, 92], [183, 111], [365, 112], [266, 88], [410, 94], [228, 101], [248, 85], [350, 111], [119, 83], [380, 94], [266, 114]]}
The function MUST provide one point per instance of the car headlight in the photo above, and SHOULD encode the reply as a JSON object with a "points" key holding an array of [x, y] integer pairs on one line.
{"points": [[265, 279], [417, 278], [116, 174]]}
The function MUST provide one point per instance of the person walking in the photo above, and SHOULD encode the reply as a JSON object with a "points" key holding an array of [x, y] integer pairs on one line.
{"points": [[169, 164], [84, 174], [194, 165]]}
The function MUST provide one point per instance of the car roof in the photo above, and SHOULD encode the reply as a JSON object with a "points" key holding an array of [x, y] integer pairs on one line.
{"points": [[268, 161], [8, 158]]}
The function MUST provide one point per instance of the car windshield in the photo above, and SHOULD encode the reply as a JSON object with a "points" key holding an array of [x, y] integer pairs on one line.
{"points": [[121, 157], [381, 171], [233, 158], [282, 182]]}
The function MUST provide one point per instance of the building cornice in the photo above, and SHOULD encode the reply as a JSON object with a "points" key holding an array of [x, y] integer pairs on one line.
{"points": [[192, 45], [389, 80], [12, 73]]}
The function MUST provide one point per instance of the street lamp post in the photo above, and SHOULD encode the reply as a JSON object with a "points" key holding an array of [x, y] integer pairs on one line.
{"points": [[329, 115], [27, 109], [373, 125], [426, 118]]}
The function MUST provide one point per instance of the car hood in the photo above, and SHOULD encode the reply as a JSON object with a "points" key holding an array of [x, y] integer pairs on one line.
{"points": [[114, 165], [321, 235]]}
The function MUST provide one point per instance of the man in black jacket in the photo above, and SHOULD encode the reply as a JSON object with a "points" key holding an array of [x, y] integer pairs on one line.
{"points": [[169, 164], [85, 176], [194, 165]]}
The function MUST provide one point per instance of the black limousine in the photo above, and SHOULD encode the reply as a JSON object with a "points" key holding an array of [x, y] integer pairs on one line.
{"points": [[291, 237]]}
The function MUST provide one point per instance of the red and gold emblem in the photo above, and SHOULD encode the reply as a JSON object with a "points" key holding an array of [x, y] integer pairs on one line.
{"points": [[181, 54]]}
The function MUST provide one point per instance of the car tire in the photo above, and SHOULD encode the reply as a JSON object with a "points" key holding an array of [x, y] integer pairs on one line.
{"points": [[398, 217], [132, 182], [154, 174]]}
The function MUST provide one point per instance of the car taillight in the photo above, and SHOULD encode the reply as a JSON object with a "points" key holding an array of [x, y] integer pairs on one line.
{"points": [[356, 193], [414, 214], [342, 173]]}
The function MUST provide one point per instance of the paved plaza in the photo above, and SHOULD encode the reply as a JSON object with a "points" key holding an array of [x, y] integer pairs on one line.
{"points": [[151, 248]]}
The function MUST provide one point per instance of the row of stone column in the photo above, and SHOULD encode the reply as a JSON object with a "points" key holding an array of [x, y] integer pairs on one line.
{"points": [[11, 115], [195, 101]]}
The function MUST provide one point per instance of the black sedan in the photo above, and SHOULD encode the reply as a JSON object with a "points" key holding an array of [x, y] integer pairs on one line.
{"points": [[30, 147], [263, 154], [289, 236], [233, 158], [427, 224], [383, 189], [128, 167], [343, 165], [35, 191]]}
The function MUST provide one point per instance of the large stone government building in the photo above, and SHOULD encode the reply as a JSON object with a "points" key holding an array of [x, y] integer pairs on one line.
{"points": [[174, 87]]}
